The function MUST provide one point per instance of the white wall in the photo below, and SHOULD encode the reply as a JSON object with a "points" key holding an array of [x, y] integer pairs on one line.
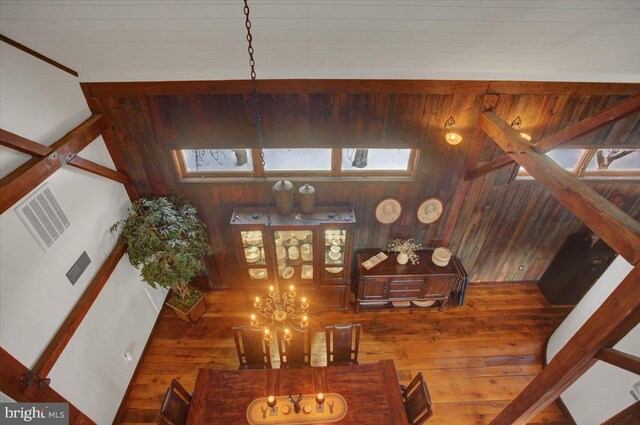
{"points": [[604, 389], [43, 103]]}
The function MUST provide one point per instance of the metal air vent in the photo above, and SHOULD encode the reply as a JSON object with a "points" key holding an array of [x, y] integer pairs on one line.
{"points": [[43, 216]]}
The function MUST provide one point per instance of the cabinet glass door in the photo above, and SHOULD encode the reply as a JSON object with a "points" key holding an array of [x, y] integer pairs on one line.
{"points": [[294, 254], [335, 244], [254, 255]]}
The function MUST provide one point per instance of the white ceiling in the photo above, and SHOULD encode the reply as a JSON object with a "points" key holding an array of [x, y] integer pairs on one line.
{"points": [[126, 40]]}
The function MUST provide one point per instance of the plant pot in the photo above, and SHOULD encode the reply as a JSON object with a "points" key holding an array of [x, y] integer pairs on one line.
{"points": [[402, 258], [189, 314]]}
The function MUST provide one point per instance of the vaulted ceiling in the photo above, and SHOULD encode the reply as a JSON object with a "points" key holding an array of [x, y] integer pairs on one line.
{"points": [[109, 40]]}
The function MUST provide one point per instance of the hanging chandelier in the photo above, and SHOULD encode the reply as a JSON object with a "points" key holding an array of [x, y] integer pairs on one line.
{"points": [[279, 312]]}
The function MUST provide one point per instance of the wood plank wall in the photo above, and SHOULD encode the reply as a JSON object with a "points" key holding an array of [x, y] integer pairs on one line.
{"points": [[506, 230]]}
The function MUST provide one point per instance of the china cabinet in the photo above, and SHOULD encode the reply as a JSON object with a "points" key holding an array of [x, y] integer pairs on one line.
{"points": [[311, 251]]}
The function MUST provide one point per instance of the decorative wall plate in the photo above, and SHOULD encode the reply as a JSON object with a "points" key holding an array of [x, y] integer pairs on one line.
{"points": [[388, 210], [430, 210]]}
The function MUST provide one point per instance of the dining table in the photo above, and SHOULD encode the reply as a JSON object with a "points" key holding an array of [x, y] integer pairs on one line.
{"points": [[371, 391]]}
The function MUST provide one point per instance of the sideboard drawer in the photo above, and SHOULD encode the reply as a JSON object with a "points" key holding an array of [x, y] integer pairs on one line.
{"points": [[394, 295], [406, 285]]}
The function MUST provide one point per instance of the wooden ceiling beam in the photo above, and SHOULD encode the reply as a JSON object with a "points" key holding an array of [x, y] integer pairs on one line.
{"points": [[629, 416], [606, 220], [56, 346], [30, 147], [601, 119], [11, 372], [618, 358], [28, 176], [617, 315]]}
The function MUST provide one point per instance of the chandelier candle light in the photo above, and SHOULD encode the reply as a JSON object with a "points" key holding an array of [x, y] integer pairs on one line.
{"points": [[279, 312]]}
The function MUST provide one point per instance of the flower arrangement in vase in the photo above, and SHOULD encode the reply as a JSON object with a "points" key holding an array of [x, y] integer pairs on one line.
{"points": [[406, 249]]}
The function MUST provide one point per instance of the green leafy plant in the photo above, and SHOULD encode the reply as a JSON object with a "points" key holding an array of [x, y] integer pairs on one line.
{"points": [[167, 242]]}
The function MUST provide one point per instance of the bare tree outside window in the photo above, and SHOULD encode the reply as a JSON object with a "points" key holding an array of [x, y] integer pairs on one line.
{"points": [[606, 157], [203, 157]]}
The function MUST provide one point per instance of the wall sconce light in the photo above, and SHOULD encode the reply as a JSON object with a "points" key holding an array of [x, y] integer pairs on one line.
{"points": [[452, 137], [516, 124]]}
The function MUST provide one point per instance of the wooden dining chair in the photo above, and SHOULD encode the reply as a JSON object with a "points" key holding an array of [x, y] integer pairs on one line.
{"points": [[343, 342], [253, 350], [175, 407], [295, 352], [417, 401]]}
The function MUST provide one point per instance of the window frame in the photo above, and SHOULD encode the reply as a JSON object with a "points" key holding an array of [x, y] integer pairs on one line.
{"points": [[183, 172], [335, 172], [409, 172], [580, 170]]}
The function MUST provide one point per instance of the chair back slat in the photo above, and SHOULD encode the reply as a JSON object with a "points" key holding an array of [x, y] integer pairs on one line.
{"points": [[417, 401], [297, 351], [253, 351], [175, 407], [343, 344]]}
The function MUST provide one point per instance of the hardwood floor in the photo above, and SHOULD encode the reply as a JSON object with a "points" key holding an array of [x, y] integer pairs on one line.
{"points": [[475, 358]]}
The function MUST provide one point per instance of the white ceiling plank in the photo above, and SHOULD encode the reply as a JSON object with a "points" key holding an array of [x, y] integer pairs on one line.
{"points": [[118, 40]]}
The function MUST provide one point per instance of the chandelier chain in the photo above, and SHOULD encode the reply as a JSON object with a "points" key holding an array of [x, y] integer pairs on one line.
{"points": [[257, 110], [279, 311]]}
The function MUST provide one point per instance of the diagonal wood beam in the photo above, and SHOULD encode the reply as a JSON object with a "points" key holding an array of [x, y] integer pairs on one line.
{"points": [[11, 371], [618, 315], [580, 128], [620, 231], [62, 337], [629, 416], [28, 176], [618, 358], [30, 147]]}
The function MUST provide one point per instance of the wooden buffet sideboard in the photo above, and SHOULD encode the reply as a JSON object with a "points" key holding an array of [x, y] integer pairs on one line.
{"points": [[390, 282], [311, 251]]}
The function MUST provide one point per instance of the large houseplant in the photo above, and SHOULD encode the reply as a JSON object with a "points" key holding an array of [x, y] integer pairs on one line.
{"points": [[167, 242]]}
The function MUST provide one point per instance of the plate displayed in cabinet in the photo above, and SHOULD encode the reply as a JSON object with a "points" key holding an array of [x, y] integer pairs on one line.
{"points": [[334, 269], [294, 253], [288, 272], [252, 254], [307, 272], [306, 251], [424, 303], [335, 256], [258, 273]]}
